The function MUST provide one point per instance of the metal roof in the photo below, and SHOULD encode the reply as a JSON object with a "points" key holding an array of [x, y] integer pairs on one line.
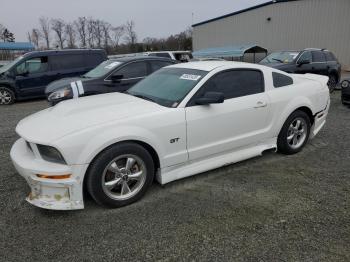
{"points": [[229, 51], [16, 46], [242, 11]]}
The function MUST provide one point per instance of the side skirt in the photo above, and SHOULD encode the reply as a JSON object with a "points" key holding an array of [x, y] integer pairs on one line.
{"points": [[169, 174]]}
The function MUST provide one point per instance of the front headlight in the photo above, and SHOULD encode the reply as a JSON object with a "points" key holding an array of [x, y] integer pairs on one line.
{"points": [[61, 94], [345, 84], [51, 154]]}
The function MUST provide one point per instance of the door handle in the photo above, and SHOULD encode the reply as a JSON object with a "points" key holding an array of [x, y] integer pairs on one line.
{"points": [[260, 104]]}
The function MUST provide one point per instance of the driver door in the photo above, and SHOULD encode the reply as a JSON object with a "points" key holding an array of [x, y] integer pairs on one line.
{"points": [[240, 121], [32, 77], [129, 75]]}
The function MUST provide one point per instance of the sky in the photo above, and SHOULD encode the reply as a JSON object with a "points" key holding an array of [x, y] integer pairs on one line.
{"points": [[153, 18]]}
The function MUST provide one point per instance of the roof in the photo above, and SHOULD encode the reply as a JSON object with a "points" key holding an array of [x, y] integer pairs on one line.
{"points": [[135, 58], [211, 65], [229, 51], [16, 46], [243, 11]]}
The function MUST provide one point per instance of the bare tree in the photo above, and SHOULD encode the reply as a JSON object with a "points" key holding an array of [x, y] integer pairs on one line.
{"points": [[90, 27], [117, 34], [35, 37], [58, 26], [70, 35], [131, 36], [81, 27], [106, 31], [2, 29], [45, 29], [98, 32]]}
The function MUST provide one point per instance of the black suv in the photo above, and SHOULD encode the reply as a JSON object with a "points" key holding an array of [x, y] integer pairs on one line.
{"points": [[28, 75], [115, 75], [315, 61]]}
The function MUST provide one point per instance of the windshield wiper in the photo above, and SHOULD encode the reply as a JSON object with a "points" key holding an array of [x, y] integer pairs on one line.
{"points": [[278, 60]]}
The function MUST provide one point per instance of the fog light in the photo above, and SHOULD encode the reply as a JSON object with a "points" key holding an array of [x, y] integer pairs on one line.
{"points": [[54, 177]]}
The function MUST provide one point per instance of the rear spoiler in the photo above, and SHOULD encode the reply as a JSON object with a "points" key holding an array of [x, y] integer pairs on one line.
{"points": [[319, 78]]}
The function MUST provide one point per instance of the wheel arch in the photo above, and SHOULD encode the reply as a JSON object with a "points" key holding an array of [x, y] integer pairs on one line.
{"points": [[11, 87]]}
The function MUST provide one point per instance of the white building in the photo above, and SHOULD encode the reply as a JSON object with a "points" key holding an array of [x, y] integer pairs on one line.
{"points": [[282, 25]]}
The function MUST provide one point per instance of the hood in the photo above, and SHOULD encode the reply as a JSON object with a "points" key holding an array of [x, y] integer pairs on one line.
{"points": [[280, 66], [78, 114], [55, 85]]}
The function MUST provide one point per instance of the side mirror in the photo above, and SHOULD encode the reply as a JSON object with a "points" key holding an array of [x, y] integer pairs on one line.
{"points": [[211, 98], [116, 78], [304, 62]]}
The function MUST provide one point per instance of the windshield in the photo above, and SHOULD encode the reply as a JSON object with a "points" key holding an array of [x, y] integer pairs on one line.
{"points": [[102, 69], [168, 86], [280, 57], [9, 65]]}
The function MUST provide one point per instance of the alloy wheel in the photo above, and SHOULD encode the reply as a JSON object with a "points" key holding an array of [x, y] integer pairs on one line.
{"points": [[124, 177], [297, 133]]}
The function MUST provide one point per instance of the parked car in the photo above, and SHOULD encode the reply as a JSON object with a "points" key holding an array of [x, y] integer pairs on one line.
{"points": [[345, 91], [27, 76], [181, 56], [115, 75], [316, 61], [180, 121]]}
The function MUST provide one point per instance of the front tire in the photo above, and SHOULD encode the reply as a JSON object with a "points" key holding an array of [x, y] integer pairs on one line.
{"points": [[120, 175], [294, 133], [7, 96]]}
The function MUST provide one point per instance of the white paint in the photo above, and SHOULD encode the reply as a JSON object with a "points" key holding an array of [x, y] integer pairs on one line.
{"points": [[209, 136], [80, 87], [74, 89]]}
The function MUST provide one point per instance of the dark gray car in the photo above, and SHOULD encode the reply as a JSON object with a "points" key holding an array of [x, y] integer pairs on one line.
{"points": [[115, 75]]}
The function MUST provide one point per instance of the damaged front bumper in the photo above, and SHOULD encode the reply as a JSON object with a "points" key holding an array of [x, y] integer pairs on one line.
{"points": [[48, 193]]}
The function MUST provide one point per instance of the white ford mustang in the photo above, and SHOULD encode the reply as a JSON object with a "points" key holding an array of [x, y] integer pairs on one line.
{"points": [[182, 120]]}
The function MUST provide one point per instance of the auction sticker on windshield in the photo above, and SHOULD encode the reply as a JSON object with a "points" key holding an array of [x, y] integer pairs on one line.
{"points": [[190, 77], [112, 65]]}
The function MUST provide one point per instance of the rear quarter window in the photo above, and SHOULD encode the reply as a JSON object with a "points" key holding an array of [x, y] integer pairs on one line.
{"points": [[62, 62], [280, 80]]}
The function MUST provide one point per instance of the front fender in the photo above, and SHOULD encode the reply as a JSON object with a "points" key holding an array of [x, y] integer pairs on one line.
{"points": [[90, 144]]}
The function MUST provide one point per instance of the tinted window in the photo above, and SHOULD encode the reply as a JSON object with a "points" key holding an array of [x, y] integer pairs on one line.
{"points": [[33, 66], [306, 56], [330, 56], [166, 55], [318, 56], [59, 62], [235, 83], [280, 80], [133, 70], [104, 68], [156, 65], [92, 60]]}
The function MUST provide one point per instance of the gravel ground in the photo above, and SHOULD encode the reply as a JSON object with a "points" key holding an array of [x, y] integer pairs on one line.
{"points": [[271, 208]]}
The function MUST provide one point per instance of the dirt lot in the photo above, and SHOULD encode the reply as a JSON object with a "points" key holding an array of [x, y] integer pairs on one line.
{"points": [[271, 208]]}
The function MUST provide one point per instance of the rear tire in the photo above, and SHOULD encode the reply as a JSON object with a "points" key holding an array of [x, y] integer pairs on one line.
{"points": [[120, 175], [7, 96], [294, 133], [332, 83]]}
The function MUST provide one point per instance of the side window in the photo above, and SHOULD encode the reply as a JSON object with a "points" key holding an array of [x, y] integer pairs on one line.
{"points": [[280, 80], [156, 65], [318, 56], [33, 66], [330, 56], [166, 55], [235, 83], [306, 56], [73, 61], [133, 70], [92, 60]]}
